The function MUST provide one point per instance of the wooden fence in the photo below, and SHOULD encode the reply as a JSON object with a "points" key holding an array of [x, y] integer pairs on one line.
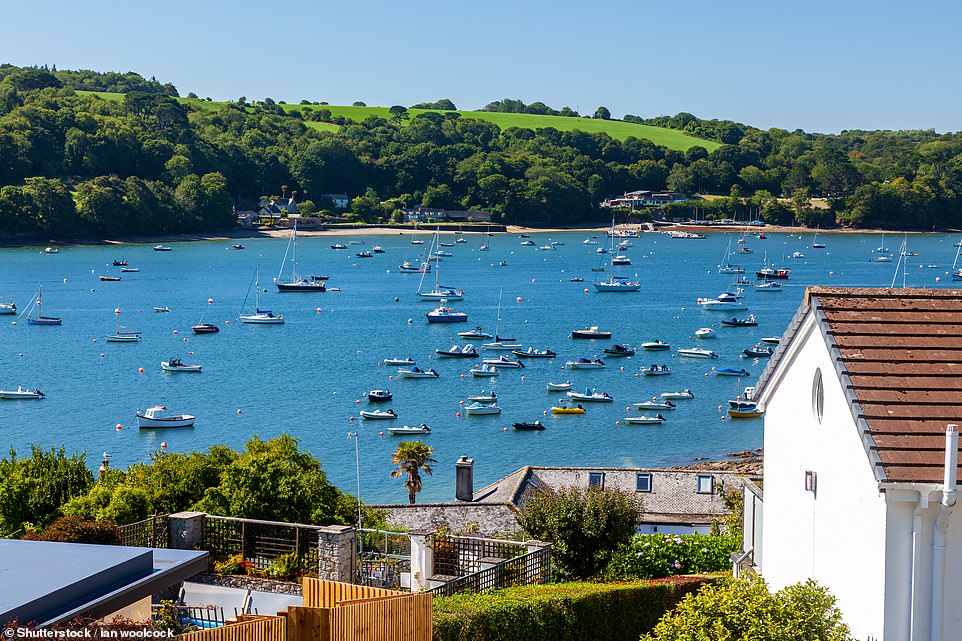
{"points": [[336, 612]]}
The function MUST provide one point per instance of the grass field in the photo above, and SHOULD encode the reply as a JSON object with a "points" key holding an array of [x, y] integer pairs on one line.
{"points": [[617, 129]]}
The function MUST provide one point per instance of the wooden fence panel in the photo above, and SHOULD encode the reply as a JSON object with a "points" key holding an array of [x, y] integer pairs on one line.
{"points": [[325, 594], [308, 624], [407, 618], [266, 629]]}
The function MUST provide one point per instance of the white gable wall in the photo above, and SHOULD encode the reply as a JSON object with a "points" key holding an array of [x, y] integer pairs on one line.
{"points": [[837, 535]]}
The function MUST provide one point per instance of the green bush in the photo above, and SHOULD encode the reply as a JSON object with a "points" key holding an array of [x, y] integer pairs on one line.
{"points": [[286, 567], [74, 529], [559, 612], [656, 555], [234, 564]]}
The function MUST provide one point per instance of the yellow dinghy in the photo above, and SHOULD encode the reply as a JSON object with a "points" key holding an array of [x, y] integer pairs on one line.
{"points": [[568, 410]]}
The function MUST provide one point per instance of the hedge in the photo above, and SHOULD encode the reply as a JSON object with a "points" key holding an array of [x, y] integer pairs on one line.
{"points": [[561, 612], [652, 556]]}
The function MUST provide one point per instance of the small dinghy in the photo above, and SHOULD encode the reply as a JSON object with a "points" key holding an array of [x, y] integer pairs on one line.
{"points": [[705, 332], [338, 246], [534, 353], [485, 371], [741, 322], [559, 387], [238, 246], [457, 351], [21, 394], [528, 427], [590, 396], [655, 345], [503, 361], [120, 263], [476, 334], [409, 429], [484, 398], [752, 412], [655, 405], [175, 365], [379, 395], [380, 250], [399, 361], [732, 371], [564, 409], [772, 340], [656, 370], [154, 418], [162, 309], [685, 394], [584, 363], [109, 278], [482, 409], [657, 419], [129, 270], [378, 415], [417, 372], [757, 352], [620, 350], [697, 352]]}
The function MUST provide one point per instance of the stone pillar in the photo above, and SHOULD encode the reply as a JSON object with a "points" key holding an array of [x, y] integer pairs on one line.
{"points": [[335, 552], [422, 560], [187, 530]]}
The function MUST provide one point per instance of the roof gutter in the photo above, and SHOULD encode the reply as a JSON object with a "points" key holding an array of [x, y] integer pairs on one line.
{"points": [[941, 526]]}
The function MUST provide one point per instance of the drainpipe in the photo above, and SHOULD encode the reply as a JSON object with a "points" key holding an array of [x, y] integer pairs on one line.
{"points": [[941, 525], [923, 504]]}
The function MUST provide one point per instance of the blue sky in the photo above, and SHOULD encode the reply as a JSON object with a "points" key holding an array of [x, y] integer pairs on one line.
{"points": [[817, 65]]}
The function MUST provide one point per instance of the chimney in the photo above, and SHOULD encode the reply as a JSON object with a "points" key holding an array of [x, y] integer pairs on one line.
{"points": [[464, 484]]}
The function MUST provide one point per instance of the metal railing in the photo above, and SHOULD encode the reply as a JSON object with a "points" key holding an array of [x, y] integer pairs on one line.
{"points": [[533, 567], [382, 558], [153, 532], [260, 542], [460, 555]]}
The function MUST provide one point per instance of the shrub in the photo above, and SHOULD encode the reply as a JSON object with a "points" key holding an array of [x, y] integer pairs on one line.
{"points": [[559, 612], [657, 555], [286, 567], [74, 529], [234, 564]]}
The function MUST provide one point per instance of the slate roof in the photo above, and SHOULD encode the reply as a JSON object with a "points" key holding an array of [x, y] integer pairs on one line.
{"points": [[899, 354]]}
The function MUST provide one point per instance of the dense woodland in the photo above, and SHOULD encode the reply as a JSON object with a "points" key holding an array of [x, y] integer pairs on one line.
{"points": [[76, 164]]}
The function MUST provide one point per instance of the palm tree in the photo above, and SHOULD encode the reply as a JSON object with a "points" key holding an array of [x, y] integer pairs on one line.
{"points": [[411, 457]]}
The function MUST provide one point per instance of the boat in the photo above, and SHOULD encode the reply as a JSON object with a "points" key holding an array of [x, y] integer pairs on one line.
{"points": [[528, 427], [485, 371], [502, 361], [697, 352], [771, 272], [379, 395], [457, 351], [685, 394], [129, 270], [417, 372], [477, 334], [527, 243], [741, 322], [590, 396], [109, 278], [589, 241], [772, 340], [446, 245], [655, 405], [564, 409], [40, 319], [770, 287], [399, 361], [378, 415], [319, 277], [798, 254], [753, 412], [238, 246], [176, 365], [419, 268], [546, 248], [205, 328], [482, 409], [816, 244], [414, 238], [577, 280], [162, 248], [724, 301], [956, 270], [51, 250], [296, 283], [613, 283], [726, 267], [484, 398], [524, 236], [260, 316], [584, 363], [501, 343], [21, 394], [442, 254], [620, 260], [364, 254], [120, 263], [657, 419], [377, 249], [338, 246], [758, 352], [534, 353], [559, 387], [557, 243], [8, 308], [655, 345], [590, 333], [732, 371], [620, 350], [154, 418], [656, 370], [442, 314], [440, 292], [705, 332], [410, 429], [121, 336]]}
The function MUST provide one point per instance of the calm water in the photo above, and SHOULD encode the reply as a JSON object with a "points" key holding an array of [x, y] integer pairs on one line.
{"points": [[305, 377]]}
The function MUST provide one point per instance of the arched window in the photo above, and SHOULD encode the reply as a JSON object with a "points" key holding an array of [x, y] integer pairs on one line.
{"points": [[818, 396]]}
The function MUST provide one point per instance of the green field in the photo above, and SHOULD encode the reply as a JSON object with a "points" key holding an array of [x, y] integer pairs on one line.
{"points": [[670, 138]]}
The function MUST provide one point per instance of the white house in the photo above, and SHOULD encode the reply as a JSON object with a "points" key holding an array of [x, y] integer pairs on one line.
{"points": [[860, 469]]}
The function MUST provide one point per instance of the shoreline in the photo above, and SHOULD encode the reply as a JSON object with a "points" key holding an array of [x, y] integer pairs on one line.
{"points": [[251, 234]]}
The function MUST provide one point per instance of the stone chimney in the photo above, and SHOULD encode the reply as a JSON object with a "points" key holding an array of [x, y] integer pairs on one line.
{"points": [[464, 486]]}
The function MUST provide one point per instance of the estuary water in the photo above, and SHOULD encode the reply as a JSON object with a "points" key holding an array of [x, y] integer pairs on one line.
{"points": [[307, 376]]}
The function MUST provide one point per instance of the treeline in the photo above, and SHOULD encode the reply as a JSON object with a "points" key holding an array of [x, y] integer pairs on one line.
{"points": [[512, 106], [87, 80], [74, 163]]}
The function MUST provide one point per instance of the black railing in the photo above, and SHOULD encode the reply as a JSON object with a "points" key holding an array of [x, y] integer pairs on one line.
{"points": [[153, 532], [260, 542], [533, 567], [460, 555]]}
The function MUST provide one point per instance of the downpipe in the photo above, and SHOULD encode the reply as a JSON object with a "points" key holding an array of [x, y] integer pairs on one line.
{"points": [[939, 534]]}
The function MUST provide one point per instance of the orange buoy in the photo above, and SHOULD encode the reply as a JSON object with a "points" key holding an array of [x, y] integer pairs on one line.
{"points": [[210, 300], [240, 411], [458, 414], [163, 445], [119, 426], [141, 370]]}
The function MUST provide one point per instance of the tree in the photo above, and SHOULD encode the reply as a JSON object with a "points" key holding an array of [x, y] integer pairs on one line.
{"points": [[411, 458], [358, 103], [745, 609], [602, 113], [585, 525], [399, 113]]}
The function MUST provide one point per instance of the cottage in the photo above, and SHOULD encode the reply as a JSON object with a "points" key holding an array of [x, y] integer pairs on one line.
{"points": [[860, 471], [340, 201], [643, 198]]}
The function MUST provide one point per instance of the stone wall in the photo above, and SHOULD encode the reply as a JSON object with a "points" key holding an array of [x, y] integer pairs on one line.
{"points": [[248, 583], [481, 519]]}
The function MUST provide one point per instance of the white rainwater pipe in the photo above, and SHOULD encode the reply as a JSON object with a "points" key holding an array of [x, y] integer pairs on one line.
{"points": [[941, 526]]}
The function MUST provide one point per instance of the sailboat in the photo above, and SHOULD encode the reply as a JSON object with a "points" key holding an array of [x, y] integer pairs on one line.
{"points": [[296, 284], [414, 239], [883, 252], [40, 319], [815, 243], [120, 336], [260, 316], [499, 341], [484, 243], [613, 283], [439, 292], [957, 271], [727, 267]]}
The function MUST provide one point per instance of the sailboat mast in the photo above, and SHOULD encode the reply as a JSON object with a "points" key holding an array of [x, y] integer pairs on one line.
{"points": [[294, 255]]}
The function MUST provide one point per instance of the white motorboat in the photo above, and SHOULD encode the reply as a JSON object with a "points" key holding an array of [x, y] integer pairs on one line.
{"points": [[457, 351], [175, 365], [589, 241], [476, 334], [770, 286], [409, 429], [154, 418], [527, 243], [620, 259], [378, 415], [732, 371], [51, 250], [656, 370], [485, 371], [705, 332], [503, 361], [584, 363], [657, 419], [559, 387], [162, 248], [547, 248], [506, 345], [772, 340], [443, 314], [724, 301], [162, 309], [417, 372], [482, 409], [21, 394], [697, 352], [685, 394], [483, 398], [534, 353], [379, 395], [590, 333], [655, 345], [655, 405], [8, 308], [590, 396], [260, 316], [399, 361]]}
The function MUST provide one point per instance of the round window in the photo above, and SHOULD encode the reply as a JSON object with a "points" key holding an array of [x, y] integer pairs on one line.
{"points": [[818, 396]]}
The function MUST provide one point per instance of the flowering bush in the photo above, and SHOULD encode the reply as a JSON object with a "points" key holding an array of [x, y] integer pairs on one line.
{"points": [[286, 567], [234, 564], [657, 555]]}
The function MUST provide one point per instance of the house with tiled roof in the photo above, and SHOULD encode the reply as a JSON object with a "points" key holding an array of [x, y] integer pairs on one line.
{"points": [[861, 463]]}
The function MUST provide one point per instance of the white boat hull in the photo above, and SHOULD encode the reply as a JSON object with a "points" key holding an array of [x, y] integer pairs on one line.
{"points": [[559, 387], [716, 305], [696, 353], [582, 398], [19, 395], [483, 411], [261, 319], [402, 431], [167, 367], [184, 420], [123, 338], [378, 416], [575, 365], [644, 420]]}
